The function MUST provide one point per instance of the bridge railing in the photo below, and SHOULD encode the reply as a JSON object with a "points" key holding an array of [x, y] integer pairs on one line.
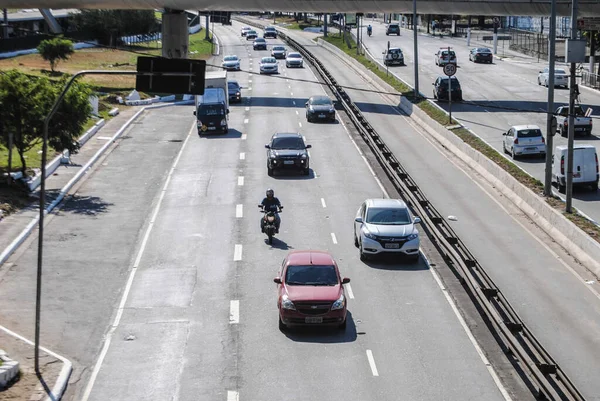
{"points": [[590, 80]]}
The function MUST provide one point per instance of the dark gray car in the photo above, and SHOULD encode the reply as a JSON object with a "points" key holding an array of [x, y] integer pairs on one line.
{"points": [[287, 151], [319, 108]]}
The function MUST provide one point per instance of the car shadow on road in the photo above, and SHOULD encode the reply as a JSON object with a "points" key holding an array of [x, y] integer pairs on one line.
{"points": [[394, 262], [294, 175], [324, 335], [530, 159], [232, 134], [263, 101], [85, 205], [334, 122]]}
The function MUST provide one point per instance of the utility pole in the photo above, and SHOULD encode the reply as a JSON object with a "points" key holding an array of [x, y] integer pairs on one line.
{"points": [[325, 24], [5, 30], [416, 49], [206, 36], [550, 118], [572, 84], [358, 41]]}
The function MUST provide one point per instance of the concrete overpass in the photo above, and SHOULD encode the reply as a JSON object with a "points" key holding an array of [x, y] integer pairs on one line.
{"points": [[587, 8]]}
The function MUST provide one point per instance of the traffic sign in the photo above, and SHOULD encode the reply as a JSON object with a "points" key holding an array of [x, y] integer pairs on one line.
{"points": [[450, 69], [589, 24], [176, 76]]}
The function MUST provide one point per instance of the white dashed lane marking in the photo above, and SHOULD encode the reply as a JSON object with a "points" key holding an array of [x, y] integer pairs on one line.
{"points": [[244, 136], [234, 312], [333, 238], [239, 211], [246, 121], [323, 202], [233, 396], [349, 291], [237, 253], [299, 124], [240, 181], [372, 363], [242, 156]]}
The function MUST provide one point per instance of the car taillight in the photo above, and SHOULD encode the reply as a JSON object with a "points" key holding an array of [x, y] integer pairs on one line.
{"points": [[566, 122], [516, 141], [543, 140], [562, 165]]}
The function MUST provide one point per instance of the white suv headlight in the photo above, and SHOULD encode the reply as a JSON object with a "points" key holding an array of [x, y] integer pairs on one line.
{"points": [[286, 303], [367, 234], [413, 236], [339, 304]]}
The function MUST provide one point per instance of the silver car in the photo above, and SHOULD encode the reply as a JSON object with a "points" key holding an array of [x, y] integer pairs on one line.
{"points": [[294, 60], [268, 65], [278, 51], [386, 226], [524, 140], [561, 78], [231, 62]]}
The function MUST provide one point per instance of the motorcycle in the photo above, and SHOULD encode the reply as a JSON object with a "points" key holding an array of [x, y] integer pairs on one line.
{"points": [[269, 221], [369, 32]]}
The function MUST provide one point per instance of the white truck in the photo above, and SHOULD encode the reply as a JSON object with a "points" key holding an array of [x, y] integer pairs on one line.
{"points": [[583, 124], [585, 167], [217, 79]]}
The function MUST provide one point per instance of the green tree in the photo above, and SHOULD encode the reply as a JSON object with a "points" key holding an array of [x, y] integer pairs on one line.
{"points": [[55, 49], [108, 25], [27, 101]]}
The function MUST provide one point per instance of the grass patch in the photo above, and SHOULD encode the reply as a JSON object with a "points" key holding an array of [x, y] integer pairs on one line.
{"points": [[348, 45]]}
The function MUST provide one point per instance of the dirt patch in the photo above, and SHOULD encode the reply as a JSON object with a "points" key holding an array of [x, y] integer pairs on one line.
{"points": [[13, 198]]}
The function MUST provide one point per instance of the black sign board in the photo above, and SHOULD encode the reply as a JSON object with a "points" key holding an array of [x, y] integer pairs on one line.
{"points": [[168, 75]]}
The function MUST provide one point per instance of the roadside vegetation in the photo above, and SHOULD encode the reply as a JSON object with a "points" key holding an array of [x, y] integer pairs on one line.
{"points": [[300, 23], [348, 45]]}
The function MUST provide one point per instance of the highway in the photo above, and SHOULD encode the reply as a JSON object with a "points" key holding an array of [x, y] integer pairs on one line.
{"points": [[168, 291], [494, 95]]}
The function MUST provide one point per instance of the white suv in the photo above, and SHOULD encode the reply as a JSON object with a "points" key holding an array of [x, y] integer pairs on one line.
{"points": [[386, 226]]}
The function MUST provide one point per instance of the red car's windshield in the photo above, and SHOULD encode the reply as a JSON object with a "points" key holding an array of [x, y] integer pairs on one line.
{"points": [[311, 275]]}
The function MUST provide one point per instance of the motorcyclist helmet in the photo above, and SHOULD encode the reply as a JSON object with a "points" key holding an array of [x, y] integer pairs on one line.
{"points": [[270, 193]]}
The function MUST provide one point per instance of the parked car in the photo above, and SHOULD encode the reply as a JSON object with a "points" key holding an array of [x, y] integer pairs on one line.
{"points": [[245, 30], [441, 88], [319, 108], [523, 140], [278, 51], [294, 60], [235, 91], [259, 44], [392, 56], [310, 291], [270, 32], [561, 77], [393, 29], [585, 167], [287, 151], [251, 35], [583, 123], [443, 57], [268, 65], [481, 55], [231, 62], [386, 226]]}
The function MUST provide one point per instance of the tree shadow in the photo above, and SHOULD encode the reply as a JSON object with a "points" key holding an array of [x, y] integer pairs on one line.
{"points": [[324, 334], [85, 205], [53, 74]]}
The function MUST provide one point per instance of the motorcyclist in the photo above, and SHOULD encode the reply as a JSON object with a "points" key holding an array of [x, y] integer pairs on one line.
{"points": [[271, 203], [369, 30]]}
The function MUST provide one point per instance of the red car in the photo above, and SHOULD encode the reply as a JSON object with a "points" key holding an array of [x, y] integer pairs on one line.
{"points": [[310, 291]]}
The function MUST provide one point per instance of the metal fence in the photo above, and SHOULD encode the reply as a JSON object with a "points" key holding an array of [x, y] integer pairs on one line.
{"points": [[590, 80], [530, 43]]}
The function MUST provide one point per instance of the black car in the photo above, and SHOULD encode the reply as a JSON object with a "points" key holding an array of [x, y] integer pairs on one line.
{"points": [[319, 108], [287, 151], [481, 55], [392, 29], [259, 44], [270, 32], [235, 91], [440, 88]]}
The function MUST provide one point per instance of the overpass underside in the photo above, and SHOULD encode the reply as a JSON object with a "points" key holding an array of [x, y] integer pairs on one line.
{"points": [[587, 8]]}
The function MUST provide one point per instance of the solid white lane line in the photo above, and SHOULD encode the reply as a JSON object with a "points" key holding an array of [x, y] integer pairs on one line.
{"points": [[240, 181], [372, 363], [333, 238], [233, 396], [244, 136], [299, 124], [242, 156], [239, 211], [460, 318], [237, 252], [323, 202], [234, 312], [349, 291], [246, 121], [115, 324]]}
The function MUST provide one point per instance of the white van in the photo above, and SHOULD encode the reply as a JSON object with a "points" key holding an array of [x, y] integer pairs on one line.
{"points": [[585, 167]]}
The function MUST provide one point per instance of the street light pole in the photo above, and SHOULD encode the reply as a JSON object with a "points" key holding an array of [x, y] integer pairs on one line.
{"points": [[572, 84], [550, 119]]}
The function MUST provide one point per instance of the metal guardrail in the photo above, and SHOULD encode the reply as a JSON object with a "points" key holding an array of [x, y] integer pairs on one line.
{"points": [[548, 379], [590, 80]]}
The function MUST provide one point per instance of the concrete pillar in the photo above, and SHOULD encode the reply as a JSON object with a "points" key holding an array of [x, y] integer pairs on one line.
{"points": [[175, 34]]}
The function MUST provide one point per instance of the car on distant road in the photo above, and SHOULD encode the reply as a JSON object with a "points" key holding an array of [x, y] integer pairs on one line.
{"points": [[245, 30], [386, 226], [251, 35], [235, 91], [481, 55], [278, 51], [310, 291], [522, 140], [561, 77], [392, 56], [319, 108], [231, 62], [287, 151], [393, 29], [270, 32], [445, 56], [441, 88], [268, 65], [294, 60], [259, 44]]}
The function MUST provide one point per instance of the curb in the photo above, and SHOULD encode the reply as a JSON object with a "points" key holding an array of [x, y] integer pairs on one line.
{"points": [[9, 369], [585, 249]]}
